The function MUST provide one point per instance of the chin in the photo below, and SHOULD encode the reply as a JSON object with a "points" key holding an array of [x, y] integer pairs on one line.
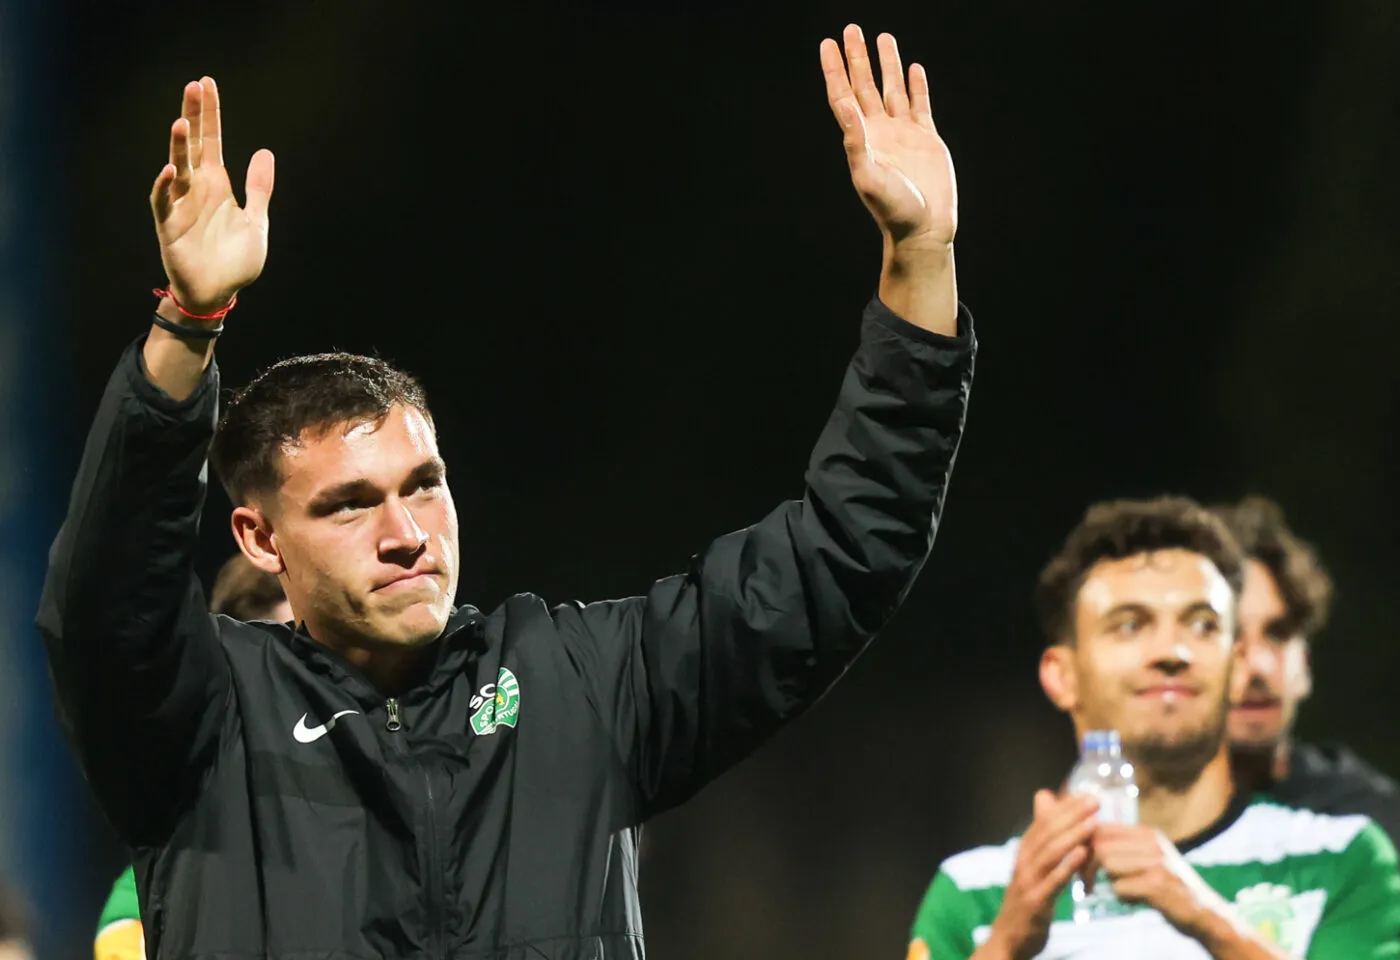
{"points": [[415, 627], [1245, 740]]}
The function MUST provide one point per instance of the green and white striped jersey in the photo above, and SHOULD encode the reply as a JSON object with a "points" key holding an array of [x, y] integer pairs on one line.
{"points": [[1321, 887]]}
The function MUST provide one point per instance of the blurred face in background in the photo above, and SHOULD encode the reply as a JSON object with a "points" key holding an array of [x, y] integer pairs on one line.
{"points": [[1273, 675], [1151, 657]]}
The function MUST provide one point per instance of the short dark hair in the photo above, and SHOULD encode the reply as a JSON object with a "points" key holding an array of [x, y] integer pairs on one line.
{"points": [[244, 592], [313, 393], [1125, 528], [1259, 525]]}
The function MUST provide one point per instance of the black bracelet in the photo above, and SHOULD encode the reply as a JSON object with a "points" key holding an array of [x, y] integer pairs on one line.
{"points": [[187, 333]]}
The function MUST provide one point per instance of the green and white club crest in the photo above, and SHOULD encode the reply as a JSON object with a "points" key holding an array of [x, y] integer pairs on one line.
{"points": [[496, 705], [1268, 908]]}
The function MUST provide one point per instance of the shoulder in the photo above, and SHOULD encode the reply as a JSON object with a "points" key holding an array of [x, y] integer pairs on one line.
{"points": [[963, 899], [1271, 832], [1339, 762], [243, 636], [982, 868]]}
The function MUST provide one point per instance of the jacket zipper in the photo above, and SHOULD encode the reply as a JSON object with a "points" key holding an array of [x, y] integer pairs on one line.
{"points": [[393, 722]]}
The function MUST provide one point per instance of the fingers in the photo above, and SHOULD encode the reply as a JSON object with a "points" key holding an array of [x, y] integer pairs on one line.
{"points": [[180, 158], [1134, 889], [161, 201], [892, 76], [191, 109], [1125, 851], [838, 87], [211, 134], [862, 79], [843, 101], [1056, 846], [920, 106], [258, 187], [1067, 813], [1049, 888]]}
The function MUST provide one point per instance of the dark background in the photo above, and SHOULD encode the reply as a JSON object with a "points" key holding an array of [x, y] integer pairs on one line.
{"points": [[618, 243]]}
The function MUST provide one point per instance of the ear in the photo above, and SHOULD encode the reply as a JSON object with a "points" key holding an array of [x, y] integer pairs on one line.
{"points": [[252, 531], [1059, 677]]}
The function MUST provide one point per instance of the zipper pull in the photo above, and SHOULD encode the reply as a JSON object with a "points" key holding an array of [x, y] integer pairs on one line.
{"points": [[392, 724]]}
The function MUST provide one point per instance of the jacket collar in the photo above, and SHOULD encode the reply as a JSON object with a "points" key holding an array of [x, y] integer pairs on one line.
{"points": [[462, 639]]}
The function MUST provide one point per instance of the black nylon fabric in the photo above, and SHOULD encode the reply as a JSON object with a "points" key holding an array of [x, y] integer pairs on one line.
{"points": [[272, 811]]}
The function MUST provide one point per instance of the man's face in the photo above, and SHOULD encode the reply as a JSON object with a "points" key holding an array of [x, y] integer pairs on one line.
{"points": [[1152, 656], [367, 532], [1272, 677]]}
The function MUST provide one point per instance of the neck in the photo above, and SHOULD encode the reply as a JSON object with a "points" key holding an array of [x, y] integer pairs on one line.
{"points": [[390, 668], [1260, 769], [1282, 755], [1184, 809]]}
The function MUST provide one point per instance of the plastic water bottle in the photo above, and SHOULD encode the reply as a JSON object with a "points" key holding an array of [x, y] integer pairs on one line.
{"points": [[1102, 772]]}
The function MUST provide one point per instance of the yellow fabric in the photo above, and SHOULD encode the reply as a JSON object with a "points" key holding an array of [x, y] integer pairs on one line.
{"points": [[122, 940]]}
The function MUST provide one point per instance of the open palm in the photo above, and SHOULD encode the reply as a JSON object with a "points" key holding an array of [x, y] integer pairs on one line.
{"points": [[899, 165], [210, 246]]}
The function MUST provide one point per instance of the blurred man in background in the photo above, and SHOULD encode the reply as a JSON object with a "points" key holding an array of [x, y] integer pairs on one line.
{"points": [[1139, 611], [243, 592], [1285, 603], [14, 926]]}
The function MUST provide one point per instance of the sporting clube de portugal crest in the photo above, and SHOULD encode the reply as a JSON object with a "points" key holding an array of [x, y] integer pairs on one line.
{"points": [[497, 704]]}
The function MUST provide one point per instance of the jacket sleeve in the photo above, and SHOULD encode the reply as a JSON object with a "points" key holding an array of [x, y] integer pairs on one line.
{"points": [[694, 676], [140, 681]]}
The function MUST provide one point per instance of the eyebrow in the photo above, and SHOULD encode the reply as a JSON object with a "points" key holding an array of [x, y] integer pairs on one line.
{"points": [[1141, 608], [329, 497], [1123, 608], [1199, 606]]}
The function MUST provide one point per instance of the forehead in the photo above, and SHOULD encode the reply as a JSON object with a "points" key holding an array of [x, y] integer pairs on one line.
{"points": [[1163, 579], [376, 450], [1261, 597]]}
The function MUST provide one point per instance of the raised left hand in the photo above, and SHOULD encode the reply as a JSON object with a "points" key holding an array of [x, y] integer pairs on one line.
{"points": [[899, 165]]}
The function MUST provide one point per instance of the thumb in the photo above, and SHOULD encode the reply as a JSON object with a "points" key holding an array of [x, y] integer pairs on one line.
{"points": [[1043, 805], [258, 187]]}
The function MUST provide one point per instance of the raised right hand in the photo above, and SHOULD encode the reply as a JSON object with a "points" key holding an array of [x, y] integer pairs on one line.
{"points": [[210, 246], [1055, 846]]}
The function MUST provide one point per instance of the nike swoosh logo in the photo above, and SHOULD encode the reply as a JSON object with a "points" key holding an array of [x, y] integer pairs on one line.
{"points": [[305, 734]]}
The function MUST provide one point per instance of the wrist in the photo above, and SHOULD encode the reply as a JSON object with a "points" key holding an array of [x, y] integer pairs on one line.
{"points": [[193, 308], [918, 283], [918, 254], [998, 946], [1212, 929]]}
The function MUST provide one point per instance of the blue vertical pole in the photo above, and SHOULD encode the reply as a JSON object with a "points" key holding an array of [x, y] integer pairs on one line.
{"points": [[40, 840]]}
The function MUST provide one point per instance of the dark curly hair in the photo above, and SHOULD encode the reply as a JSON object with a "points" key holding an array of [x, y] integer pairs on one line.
{"points": [[1259, 525], [1125, 528]]}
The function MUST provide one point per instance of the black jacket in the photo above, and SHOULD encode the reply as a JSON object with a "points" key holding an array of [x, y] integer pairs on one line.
{"points": [[279, 807], [1335, 780]]}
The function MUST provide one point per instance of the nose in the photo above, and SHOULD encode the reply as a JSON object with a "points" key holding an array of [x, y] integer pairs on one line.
{"points": [[1171, 652], [1259, 657], [401, 537]]}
